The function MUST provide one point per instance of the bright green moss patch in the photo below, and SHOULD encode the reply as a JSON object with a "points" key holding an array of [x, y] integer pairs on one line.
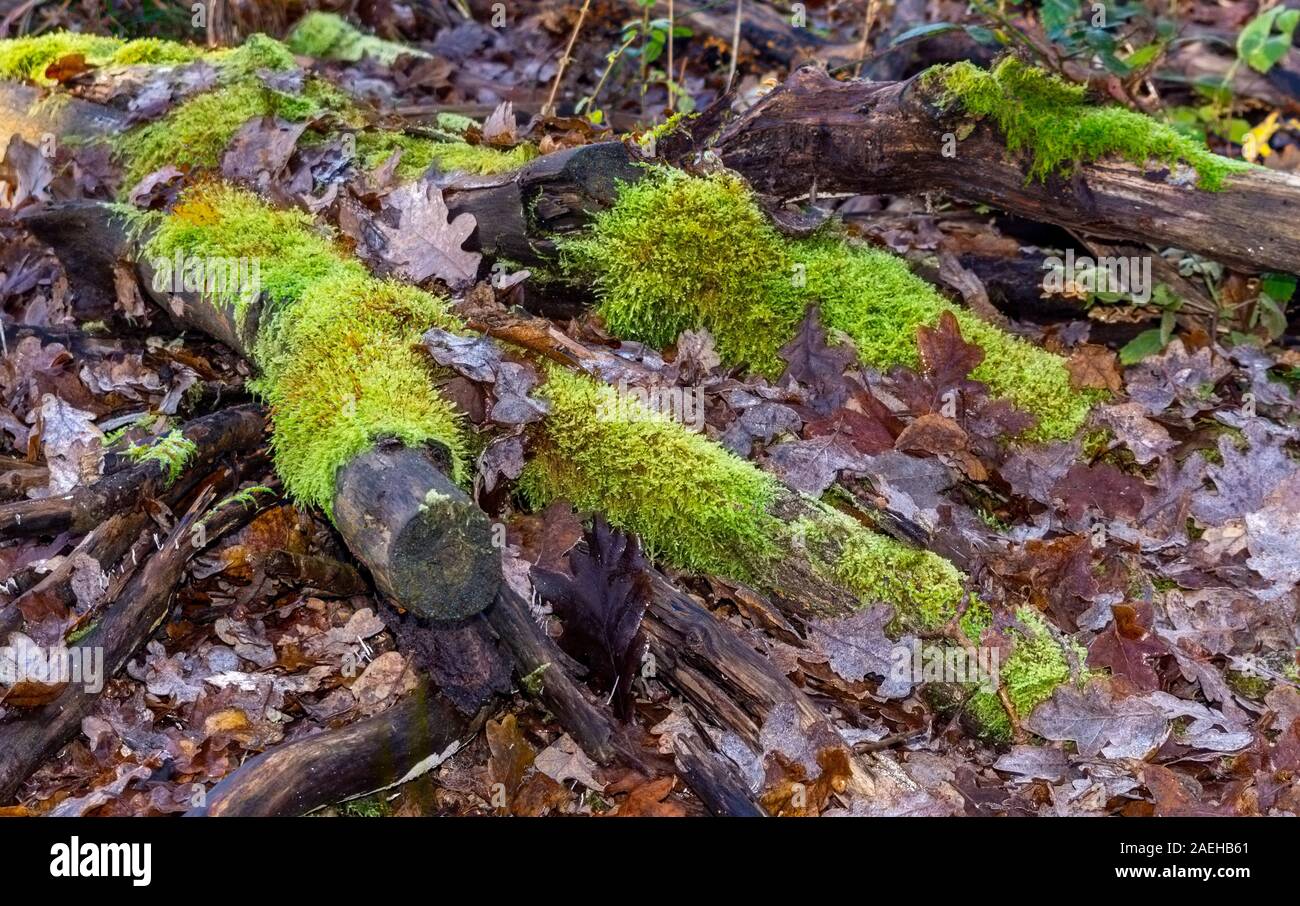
{"points": [[924, 588], [28, 58], [698, 507], [327, 36], [1052, 120], [678, 252], [196, 132], [694, 504], [172, 451], [338, 350], [1037, 665], [419, 154]]}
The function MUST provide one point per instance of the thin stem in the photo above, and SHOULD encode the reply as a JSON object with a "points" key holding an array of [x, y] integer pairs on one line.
{"points": [[872, 6], [549, 108], [735, 43], [671, 22]]}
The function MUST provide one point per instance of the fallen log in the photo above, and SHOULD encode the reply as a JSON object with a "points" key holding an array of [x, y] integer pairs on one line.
{"points": [[813, 134], [419, 534], [413, 736], [126, 625], [208, 438]]}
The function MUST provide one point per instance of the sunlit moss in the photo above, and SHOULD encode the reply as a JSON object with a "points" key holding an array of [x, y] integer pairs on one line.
{"points": [[419, 154], [1037, 666], [196, 132], [328, 36], [338, 350], [28, 58], [172, 451], [1052, 120], [678, 252], [693, 503]]}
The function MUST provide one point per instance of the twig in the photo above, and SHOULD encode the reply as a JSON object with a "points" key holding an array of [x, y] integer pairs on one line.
{"points": [[549, 108], [872, 6], [735, 44]]}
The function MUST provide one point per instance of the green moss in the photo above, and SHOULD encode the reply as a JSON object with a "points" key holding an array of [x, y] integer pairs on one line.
{"points": [[678, 252], [173, 451], [418, 154], [1248, 685], [196, 132], [337, 349], [698, 507], [924, 588], [694, 505], [1037, 665], [373, 806], [327, 36], [27, 58], [1052, 120]]}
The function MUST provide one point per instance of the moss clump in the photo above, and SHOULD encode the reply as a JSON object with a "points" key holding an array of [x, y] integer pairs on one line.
{"points": [[698, 507], [678, 252], [694, 504], [28, 58], [327, 36], [1037, 665], [195, 133], [419, 154], [337, 349], [172, 451], [925, 589], [1052, 120]]}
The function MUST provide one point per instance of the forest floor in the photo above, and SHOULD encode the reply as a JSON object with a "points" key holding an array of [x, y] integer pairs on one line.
{"points": [[1158, 547]]}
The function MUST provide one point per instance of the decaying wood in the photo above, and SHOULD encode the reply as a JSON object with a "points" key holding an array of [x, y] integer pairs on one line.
{"points": [[125, 626], [540, 660], [813, 134], [237, 429], [411, 737], [392, 522], [420, 535]]}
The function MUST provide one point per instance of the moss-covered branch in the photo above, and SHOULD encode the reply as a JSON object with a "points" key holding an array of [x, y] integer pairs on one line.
{"points": [[679, 252]]}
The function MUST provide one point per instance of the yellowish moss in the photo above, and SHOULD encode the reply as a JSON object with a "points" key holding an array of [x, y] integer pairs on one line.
{"points": [[328, 36], [419, 154], [29, 57], [698, 507], [337, 349], [1052, 120], [694, 504], [678, 252], [196, 132]]}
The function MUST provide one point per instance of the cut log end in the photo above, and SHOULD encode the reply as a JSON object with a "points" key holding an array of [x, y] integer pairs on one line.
{"points": [[423, 539]]}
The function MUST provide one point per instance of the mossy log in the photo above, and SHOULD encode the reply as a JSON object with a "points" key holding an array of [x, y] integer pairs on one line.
{"points": [[422, 538], [814, 134], [409, 738]]}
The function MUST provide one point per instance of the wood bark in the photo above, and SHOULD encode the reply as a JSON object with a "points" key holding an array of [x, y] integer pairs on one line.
{"points": [[813, 134], [412, 736], [423, 539], [36, 735]]}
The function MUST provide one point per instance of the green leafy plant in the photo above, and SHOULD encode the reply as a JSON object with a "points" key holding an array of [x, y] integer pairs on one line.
{"points": [[1264, 41]]}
